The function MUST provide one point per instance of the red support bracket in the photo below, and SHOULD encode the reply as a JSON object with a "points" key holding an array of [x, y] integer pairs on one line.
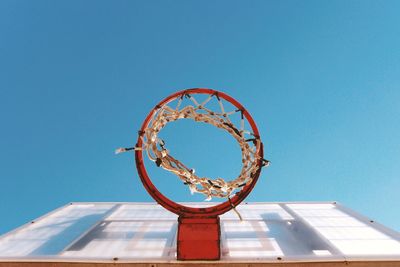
{"points": [[198, 238]]}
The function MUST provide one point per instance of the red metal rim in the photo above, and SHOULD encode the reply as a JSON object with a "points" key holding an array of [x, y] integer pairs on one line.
{"points": [[191, 211]]}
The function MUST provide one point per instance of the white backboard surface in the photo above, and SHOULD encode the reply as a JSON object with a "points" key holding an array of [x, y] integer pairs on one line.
{"points": [[147, 232]]}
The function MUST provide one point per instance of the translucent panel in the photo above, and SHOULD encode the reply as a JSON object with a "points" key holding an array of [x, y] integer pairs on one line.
{"points": [[371, 247], [147, 233], [311, 206], [280, 237], [138, 239], [244, 226], [349, 235], [322, 252], [141, 212], [49, 236], [259, 212], [334, 221], [320, 213], [252, 248]]}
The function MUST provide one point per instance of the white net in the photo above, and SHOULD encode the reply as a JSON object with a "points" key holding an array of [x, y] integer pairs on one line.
{"points": [[156, 148]]}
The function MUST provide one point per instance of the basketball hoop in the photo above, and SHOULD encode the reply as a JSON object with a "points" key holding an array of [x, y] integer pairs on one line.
{"points": [[235, 191]]}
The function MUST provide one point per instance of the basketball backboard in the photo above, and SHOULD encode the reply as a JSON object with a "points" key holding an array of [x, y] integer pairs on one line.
{"points": [[145, 233]]}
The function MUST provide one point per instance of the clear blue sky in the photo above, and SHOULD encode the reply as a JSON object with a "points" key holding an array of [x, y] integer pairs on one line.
{"points": [[321, 78]]}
